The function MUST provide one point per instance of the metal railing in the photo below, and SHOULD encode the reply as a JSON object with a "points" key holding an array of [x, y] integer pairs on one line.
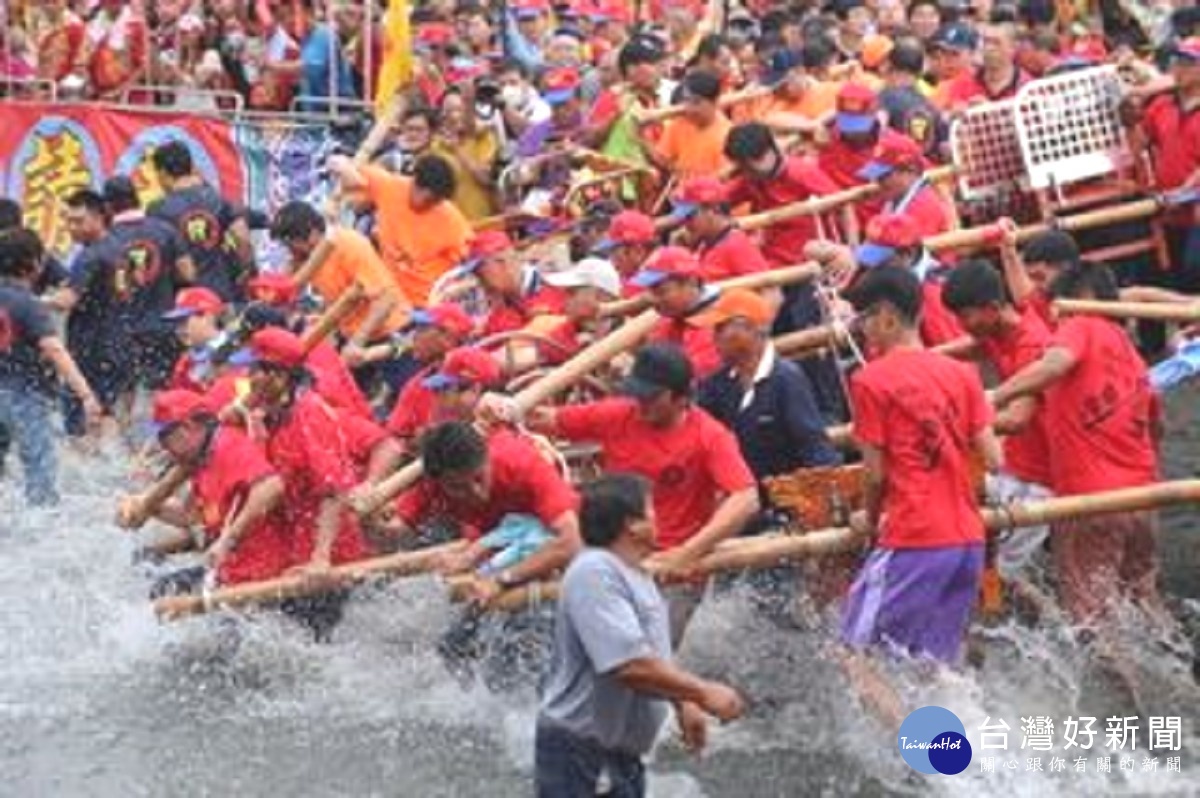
{"points": [[44, 88]]}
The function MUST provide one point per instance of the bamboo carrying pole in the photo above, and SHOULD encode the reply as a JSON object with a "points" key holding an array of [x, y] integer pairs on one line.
{"points": [[775, 278], [1129, 310], [405, 563], [764, 551]]}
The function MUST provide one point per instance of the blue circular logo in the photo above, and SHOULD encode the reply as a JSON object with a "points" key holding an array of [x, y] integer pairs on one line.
{"points": [[933, 740]]}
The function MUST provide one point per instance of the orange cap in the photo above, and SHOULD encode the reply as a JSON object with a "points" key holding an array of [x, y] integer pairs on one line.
{"points": [[736, 303]]}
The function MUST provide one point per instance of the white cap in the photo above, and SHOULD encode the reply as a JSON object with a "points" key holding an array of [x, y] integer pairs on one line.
{"points": [[589, 272]]}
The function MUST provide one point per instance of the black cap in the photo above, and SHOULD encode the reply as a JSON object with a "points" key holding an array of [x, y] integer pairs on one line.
{"points": [[657, 368], [955, 36], [1052, 246]]}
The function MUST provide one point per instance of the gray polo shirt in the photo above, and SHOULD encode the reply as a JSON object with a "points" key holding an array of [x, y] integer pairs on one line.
{"points": [[608, 615]]}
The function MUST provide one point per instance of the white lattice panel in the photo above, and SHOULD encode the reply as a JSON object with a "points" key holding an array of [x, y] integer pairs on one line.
{"points": [[1068, 128], [983, 144]]}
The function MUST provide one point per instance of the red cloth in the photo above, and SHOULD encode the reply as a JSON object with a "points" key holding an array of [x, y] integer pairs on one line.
{"points": [[1100, 415], [334, 381], [923, 410], [414, 406], [698, 343], [799, 179], [1175, 143], [928, 210], [1027, 454], [315, 459], [522, 481], [690, 465], [731, 254], [938, 324], [221, 484]]}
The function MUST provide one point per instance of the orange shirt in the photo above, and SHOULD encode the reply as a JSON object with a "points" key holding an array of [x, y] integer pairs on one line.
{"points": [[818, 100], [418, 247], [693, 151], [354, 259]]}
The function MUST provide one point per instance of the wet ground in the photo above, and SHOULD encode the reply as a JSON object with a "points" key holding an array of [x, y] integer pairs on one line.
{"points": [[98, 699]]}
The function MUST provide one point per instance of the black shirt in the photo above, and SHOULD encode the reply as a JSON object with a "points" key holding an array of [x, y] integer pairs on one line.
{"points": [[781, 429], [203, 218], [24, 324], [146, 252], [910, 112]]}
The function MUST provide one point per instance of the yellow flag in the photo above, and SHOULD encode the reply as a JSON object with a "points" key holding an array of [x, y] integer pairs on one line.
{"points": [[396, 70]]}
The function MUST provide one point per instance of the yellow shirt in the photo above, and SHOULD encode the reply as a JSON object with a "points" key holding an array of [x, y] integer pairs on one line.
{"points": [[476, 201]]}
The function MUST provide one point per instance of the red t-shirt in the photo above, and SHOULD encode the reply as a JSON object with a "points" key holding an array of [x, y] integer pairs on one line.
{"points": [[315, 458], [182, 376], [928, 211], [1175, 140], [800, 178], [1100, 415], [689, 465], [843, 163], [923, 410], [511, 315], [334, 382], [1027, 454], [969, 86], [414, 407], [731, 254], [522, 482], [698, 343], [938, 324], [235, 463], [1041, 305]]}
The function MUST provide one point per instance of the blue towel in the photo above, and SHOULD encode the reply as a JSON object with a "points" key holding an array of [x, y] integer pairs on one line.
{"points": [[517, 537]]}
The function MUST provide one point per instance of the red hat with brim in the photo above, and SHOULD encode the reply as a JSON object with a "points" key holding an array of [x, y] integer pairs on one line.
{"points": [[193, 302], [666, 263], [275, 346], [465, 367], [171, 407]]}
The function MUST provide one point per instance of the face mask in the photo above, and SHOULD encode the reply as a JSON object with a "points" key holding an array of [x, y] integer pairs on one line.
{"points": [[513, 96]]}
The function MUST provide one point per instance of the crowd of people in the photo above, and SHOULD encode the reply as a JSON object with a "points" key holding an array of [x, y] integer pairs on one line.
{"points": [[286, 431]]}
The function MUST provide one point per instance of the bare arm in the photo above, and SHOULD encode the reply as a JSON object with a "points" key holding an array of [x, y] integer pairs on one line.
{"points": [[1036, 377], [555, 554], [664, 679], [264, 496], [185, 269], [1019, 284], [329, 523], [1147, 293], [1015, 418], [988, 446], [53, 350], [381, 307], [730, 519], [385, 458], [242, 246], [876, 471], [347, 173]]}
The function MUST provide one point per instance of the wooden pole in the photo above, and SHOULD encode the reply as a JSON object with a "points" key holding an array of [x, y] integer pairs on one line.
{"points": [[405, 563], [1128, 310], [334, 315], [775, 278]]}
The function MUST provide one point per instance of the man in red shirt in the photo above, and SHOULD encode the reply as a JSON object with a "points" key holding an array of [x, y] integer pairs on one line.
{"points": [[899, 169], [308, 447], [234, 495], [464, 376], [588, 285], [1102, 416], [477, 482], [725, 250], [917, 418], [1170, 125], [516, 293], [630, 239], [673, 277], [1008, 340], [998, 78], [437, 330], [703, 491], [893, 241]]}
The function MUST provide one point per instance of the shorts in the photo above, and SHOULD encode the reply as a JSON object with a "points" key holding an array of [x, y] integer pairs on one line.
{"points": [[1017, 547], [915, 600], [1104, 560]]}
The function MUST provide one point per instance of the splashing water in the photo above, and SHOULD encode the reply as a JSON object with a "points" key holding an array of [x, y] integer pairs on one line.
{"points": [[98, 699]]}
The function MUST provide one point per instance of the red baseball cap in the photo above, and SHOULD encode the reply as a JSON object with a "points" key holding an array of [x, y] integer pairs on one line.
{"points": [[435, 34], [627, 227], [193, 301], [560, 85], [887, 233], [448, 316], [695, 193], [171, 407], [485, 246], [857, 109], [273, 289], [896, 152], [462, 367], [278, 347], [665, 263]]}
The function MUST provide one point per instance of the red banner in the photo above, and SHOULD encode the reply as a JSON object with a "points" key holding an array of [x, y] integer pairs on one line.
{"points": [[48, 151]]}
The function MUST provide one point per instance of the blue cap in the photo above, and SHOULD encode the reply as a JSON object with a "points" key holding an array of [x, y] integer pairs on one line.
{"points": [[873, 256], [955, 36], [441, 382], [856, 123], [648, 278], [684, 210], [179, 314], [604, 246], [559, 97], [242, 357], [875, 170]]}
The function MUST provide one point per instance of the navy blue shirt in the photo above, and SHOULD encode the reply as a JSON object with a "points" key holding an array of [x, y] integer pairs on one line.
{"points": [[24, 324], [203, 218], [781, 429]]}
